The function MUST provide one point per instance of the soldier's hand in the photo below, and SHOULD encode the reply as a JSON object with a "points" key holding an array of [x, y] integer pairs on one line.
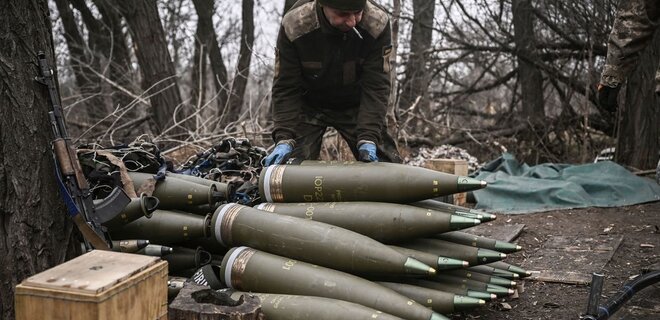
{"points": [[608, 97], [367, 151], [279, 154]]}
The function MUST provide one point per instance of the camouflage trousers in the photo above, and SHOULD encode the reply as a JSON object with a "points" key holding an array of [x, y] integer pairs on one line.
{"points": [[314, 122]]}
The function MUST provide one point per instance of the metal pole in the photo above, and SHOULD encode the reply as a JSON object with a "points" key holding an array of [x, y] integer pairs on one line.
{"points": [[594, 294]]}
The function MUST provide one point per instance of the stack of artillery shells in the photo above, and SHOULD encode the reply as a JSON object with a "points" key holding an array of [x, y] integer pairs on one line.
{"points": [[349, 235]]}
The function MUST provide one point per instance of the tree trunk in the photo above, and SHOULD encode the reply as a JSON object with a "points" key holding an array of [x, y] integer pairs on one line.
{"points": [[156, 67], [239, 83], [34, 231], [417, 76], [198, 74], [637, 143], [86, 80], [529, 75], [392, 125], [208, 38], [108, 44]]}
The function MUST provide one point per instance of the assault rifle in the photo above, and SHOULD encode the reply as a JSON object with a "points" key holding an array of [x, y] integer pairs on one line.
{"points": [[74, 188]]}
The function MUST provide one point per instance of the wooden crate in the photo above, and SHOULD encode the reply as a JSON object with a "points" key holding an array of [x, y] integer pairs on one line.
{"points": [[453, 166], [99, 285]]}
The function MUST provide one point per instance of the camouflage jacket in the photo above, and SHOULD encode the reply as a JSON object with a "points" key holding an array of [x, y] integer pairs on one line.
{"points": [[633, 29], [320, 67]]}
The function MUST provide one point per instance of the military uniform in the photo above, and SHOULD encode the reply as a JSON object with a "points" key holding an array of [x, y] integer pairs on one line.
{"points": [[325, 77], [632, 31], [634, 27]]}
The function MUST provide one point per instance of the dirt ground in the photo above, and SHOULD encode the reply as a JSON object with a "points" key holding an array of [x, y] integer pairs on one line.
{"points": [[544, 300]]}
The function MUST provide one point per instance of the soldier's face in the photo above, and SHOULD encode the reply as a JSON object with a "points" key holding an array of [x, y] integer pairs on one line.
{"points": [[342, 20]]}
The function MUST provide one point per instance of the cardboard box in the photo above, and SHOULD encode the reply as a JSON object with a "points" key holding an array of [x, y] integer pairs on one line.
{"points": [[99, 285]]}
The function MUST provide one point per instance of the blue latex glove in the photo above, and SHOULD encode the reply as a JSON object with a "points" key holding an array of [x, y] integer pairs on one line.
{"points": [[282, 149], [367, 152]]}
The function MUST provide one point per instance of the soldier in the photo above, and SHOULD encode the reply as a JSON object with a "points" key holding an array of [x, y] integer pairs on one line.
{"points": [[633, 29], [332, 69]]}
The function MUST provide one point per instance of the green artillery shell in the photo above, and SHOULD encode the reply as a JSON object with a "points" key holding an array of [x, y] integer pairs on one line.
{"points": [[155, 250], [292, 307], [184, 258], [143, 206], [466, 274], [460, 289], [377, 181], [179, 194], [209, 244], [433, 260], [226, 190], [202, 209], [474, 285], [385, 222], [475, 256], [247, 269], [509, 267], [454, 209], [165, 227], [129, 246], [477, 241], [311, 241], [485, 269], [438, 301]]}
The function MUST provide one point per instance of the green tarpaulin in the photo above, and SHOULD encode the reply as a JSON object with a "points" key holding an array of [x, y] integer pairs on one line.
{"points": [[519, 188]]}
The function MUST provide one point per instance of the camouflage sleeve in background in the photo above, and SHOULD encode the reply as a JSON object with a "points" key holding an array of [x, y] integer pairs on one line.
{"points": [[633, 29]]}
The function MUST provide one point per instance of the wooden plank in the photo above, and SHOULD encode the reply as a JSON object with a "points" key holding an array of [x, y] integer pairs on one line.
{"points": [[568, 277], [506, 232], [92, 272], [571, 260]]}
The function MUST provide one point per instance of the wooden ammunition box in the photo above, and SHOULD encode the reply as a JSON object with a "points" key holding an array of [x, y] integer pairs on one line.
{"points": [[453, 166], [99, 285]]}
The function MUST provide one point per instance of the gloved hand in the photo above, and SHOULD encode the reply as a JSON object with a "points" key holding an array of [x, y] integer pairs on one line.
{"points": [[608, 97], [282, 149], [367, 151]]}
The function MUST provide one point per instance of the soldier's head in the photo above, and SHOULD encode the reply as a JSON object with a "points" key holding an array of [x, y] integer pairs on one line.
{"points": [[343, 14]]}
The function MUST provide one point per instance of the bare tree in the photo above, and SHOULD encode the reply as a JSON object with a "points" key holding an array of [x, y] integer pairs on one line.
{"points": [[414, 98], [82, 63], [239, 83], [530, 77], [158, 75], [108, 45], [34, 232], [206, 45]]}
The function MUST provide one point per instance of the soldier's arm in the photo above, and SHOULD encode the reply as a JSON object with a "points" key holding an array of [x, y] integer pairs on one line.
{"points": [[632, 31], [287, 89], [375, 88]]}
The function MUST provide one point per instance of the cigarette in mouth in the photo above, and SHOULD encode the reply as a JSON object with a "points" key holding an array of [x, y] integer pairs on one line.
{"points": [[358, 33]]}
